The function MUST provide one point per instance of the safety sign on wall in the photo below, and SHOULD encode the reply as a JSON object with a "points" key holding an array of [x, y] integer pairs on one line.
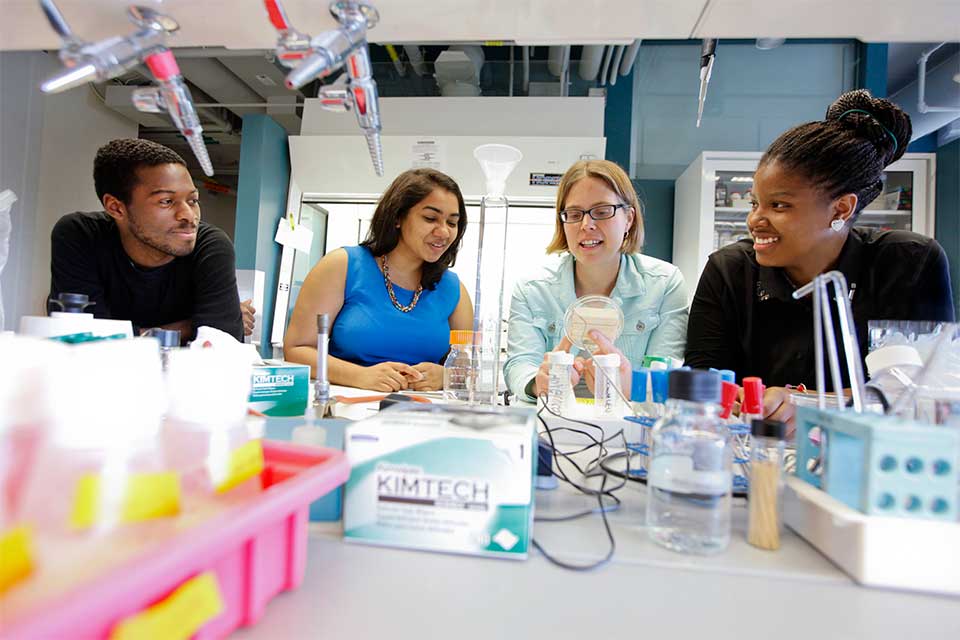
{"points": [[427, 153], [545, 179]]}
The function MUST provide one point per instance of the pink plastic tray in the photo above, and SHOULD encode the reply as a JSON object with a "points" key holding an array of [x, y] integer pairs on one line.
{"points": [[256, 550]]}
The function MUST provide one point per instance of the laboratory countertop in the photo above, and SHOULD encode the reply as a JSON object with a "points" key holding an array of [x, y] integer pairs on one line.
{"points": [[357, 591]]}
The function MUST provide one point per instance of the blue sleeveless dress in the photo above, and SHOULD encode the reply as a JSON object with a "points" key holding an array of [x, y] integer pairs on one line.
{"points": [[370, 330]]}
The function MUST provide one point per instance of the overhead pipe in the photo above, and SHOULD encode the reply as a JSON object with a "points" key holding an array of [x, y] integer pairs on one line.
{"points": [[397, 62], [526, 70], [220, 52], [565, 72], [511, 71], [555, 60], [415, 58], [607, 55], [590, 61], [615, 64], [629, 57], [922, 105], [938, 87]]}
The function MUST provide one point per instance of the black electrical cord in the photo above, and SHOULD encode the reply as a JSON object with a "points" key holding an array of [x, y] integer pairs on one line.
{"points": [[600, 493]]}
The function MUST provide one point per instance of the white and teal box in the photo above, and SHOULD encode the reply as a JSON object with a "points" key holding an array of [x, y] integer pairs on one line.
{"points": [[443, 478]]}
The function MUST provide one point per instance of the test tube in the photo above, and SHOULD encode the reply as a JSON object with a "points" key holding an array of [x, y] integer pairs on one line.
{"points": [[322, 387]]}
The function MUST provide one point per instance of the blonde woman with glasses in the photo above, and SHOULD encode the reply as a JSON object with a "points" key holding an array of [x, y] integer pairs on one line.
{"points": [[599, 234]]}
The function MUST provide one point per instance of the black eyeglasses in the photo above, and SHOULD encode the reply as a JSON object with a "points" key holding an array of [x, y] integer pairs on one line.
{"points": [[599, 212]]}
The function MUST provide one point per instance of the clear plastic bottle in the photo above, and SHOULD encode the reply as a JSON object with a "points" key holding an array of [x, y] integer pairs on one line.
{"points": [[458, 370], [205, 435], [658, 391], [103, 448], [767, 453], [606, 397], [690, 479], [560, 398]]}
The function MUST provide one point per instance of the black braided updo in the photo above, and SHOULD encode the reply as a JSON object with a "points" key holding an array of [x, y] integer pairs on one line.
{"points": [[848, 150]]}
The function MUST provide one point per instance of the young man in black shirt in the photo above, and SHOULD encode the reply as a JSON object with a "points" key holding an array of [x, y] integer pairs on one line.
{"points": [[147, 257]]}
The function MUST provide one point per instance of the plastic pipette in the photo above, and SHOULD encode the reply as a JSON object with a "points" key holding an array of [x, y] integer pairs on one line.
{"points": [[174, 97]]}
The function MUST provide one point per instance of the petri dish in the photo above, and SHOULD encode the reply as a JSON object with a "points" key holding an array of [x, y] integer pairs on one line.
{"points": [[592, 312]]}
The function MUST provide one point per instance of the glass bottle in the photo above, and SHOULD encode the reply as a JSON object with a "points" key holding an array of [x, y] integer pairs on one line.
{"points": [[691, 471]]}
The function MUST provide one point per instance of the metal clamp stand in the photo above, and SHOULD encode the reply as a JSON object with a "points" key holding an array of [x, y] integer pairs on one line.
{"points": [[823, 323]]}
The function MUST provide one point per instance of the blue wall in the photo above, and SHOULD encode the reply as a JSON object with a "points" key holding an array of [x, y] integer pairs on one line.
{"points": [[650, 119], [753, 97], [261, 202], [948, 210]]}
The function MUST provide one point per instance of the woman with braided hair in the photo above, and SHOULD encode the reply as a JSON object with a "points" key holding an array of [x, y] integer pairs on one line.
{"points": [[809, 188]]}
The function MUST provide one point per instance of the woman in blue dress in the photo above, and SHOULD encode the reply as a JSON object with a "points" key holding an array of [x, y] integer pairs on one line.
{"points": [[392, 300]]}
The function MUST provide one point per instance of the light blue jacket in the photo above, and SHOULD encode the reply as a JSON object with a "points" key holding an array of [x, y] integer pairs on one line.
{"points": [[651, 293]]}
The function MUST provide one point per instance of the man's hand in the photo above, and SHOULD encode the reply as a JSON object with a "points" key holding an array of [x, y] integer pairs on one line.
{"points": [[248, 313]]}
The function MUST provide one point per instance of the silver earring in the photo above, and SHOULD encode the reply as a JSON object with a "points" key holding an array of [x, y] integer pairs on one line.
{"points": [[837, 224]]}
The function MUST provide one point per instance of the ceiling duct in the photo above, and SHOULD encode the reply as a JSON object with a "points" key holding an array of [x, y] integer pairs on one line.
{"points": [[458, 70], [939, 89], [214, 79], [590, 61]]}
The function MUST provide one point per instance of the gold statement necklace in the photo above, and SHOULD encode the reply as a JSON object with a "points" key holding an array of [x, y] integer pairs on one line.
{"points": [[393, 297]]}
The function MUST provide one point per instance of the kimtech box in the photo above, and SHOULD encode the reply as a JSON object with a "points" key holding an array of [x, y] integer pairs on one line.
{"points": [[280, 389], [442, 478]]}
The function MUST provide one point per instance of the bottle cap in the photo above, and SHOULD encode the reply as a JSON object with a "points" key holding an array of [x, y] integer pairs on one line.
{"points": [[728, 376], [638, 385], [560, 357], [72, 302], [607, 360], [752, 396], [461, 337], [728, 396], [694, 385], [769, 429], [894, 355], [649, 360], [166, 337], [659, 384], [323, 323]]}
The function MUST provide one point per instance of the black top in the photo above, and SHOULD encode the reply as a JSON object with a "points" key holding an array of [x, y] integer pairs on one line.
{"points": [[87, 257], [743, 316]]}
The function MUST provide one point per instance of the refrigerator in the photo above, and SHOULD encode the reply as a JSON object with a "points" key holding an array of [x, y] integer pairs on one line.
{"points": [[712, 201]]}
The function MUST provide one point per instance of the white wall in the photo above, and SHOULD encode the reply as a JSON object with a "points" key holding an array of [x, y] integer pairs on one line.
{"points": [[54, 140], [572, 117], [21, 116]]}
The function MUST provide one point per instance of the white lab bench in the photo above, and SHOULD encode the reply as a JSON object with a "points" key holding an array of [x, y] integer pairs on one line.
{"points": [[357, 591]]}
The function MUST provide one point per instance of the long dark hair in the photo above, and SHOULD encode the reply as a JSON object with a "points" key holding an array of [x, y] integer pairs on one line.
{"points": [[848, 150], [407, 189]]}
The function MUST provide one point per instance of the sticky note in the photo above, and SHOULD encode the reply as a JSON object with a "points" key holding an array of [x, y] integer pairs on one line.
{"points": [[16, 556], [299, 237], [178, 616], [145, 496], [245, 462]]}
